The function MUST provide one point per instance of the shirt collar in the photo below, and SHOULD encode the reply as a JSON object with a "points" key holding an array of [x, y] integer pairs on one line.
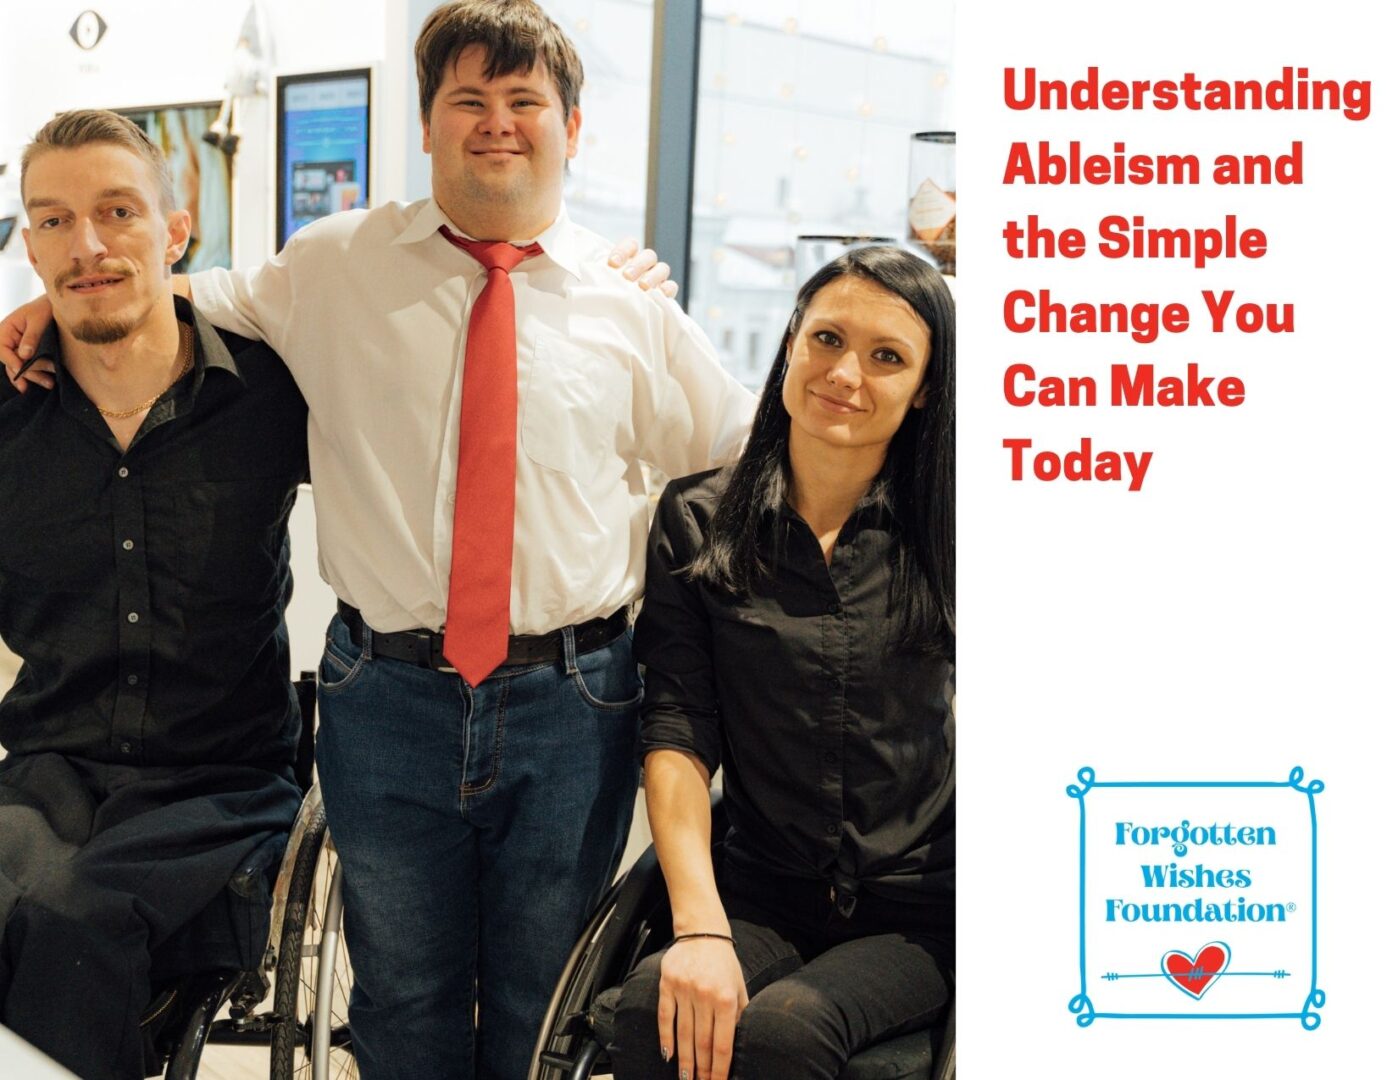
{"points": [[873, 510], [425, 223], [209, 352], [558, 240], [209, 349]]}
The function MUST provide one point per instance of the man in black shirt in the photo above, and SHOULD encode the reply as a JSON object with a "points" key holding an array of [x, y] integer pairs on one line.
{"points": [[143, 580]]}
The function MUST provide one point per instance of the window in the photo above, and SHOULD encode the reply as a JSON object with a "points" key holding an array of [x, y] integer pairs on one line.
{"points": [[606, 186], [806, 113]]}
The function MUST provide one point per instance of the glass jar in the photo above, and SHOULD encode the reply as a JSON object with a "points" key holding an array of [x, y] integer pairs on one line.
{"points": [[932, 196]]}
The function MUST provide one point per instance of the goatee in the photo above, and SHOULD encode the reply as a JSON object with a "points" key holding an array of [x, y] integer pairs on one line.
{"points": [[101, 331]]}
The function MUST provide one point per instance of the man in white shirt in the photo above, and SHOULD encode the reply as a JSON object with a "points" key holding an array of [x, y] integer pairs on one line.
{"points": [[478, 818]]}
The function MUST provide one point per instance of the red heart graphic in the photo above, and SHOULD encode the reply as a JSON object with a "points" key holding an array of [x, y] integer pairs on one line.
{"points": [[1195, 974]]}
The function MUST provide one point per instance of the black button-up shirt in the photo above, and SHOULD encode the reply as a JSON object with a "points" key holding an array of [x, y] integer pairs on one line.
{"points": [[144, 590], [837, 748]]}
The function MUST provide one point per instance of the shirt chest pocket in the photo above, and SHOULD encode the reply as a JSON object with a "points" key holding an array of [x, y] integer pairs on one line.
{"points": [[577, 408]]}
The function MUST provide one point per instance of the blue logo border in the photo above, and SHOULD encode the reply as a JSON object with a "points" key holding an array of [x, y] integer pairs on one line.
{"points": [[1081, 1004]]}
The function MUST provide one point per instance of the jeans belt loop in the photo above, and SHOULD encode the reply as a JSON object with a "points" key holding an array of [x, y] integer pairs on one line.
{"points": [[570, 651]]}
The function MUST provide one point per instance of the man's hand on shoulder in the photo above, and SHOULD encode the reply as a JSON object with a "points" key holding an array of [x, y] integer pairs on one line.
{"points": [[19, 337], [642, 267]]}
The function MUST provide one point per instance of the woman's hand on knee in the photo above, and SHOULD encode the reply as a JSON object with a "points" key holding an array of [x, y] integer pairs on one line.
{"points": [[702, 994]]}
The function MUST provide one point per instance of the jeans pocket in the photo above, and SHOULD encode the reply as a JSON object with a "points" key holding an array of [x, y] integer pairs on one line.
{"points": [[607, 686], [342, 660]]}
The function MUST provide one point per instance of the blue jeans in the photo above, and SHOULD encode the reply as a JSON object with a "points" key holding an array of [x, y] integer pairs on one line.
{"points": [[476, 828]]}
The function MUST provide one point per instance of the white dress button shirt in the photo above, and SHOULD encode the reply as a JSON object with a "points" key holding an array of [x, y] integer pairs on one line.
{"points": [[369, 309]]}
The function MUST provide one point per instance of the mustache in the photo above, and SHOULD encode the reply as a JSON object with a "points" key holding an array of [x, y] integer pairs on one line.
{"points": [[104, 269]]}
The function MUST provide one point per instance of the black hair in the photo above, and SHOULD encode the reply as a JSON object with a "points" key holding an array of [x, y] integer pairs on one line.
{"points": [[917, 482]]}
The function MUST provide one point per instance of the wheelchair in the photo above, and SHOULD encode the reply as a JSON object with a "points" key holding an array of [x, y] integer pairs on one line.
{"points": [[304, 965], [633, 921]]}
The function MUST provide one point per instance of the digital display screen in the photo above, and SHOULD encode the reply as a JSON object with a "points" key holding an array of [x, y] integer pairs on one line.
{"points": [[322, 147]]}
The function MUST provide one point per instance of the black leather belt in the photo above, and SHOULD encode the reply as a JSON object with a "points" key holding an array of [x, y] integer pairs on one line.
{"points": [[424, 648]]}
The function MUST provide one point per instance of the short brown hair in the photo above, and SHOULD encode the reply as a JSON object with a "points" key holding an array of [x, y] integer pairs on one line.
{"points": [[516, 34], [83, 127]]}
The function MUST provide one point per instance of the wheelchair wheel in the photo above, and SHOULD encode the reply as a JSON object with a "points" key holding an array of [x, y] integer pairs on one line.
{"points": [[625, 923], [565, 1047], [311, 999]]}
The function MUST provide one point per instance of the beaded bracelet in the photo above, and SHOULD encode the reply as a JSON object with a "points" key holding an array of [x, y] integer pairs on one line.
{"points": [[690, 937]]}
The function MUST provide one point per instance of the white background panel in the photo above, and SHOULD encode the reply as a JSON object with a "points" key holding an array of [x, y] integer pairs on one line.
{"points": [[1232, 618]]}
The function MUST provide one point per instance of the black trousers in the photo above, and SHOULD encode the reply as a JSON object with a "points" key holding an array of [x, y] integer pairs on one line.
{"points": [[821, 986], [101, 866]]}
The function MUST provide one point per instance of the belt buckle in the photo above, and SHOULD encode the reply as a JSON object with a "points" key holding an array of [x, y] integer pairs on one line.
{"points": [[437, 661]]}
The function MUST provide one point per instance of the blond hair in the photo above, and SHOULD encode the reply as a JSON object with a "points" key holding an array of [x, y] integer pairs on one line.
{"points": [[84, 127]]}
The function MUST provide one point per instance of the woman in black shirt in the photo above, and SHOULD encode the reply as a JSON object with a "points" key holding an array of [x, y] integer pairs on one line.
{"points": [[799, 630]]}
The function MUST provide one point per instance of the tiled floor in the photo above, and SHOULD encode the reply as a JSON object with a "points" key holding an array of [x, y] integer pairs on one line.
{"points": [[234, 1063]]}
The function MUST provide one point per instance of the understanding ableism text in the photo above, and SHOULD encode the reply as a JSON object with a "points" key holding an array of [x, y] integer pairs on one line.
{"points": [[1294, 89]]}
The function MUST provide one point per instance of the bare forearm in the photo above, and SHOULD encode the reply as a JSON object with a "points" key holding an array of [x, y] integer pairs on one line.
{"points": [[677, 803]]}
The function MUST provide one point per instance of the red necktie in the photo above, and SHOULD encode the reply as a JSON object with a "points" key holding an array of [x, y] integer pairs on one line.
{"points": [[483, 526]]}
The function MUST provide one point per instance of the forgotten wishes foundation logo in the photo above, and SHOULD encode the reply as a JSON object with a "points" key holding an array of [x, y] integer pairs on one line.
{"points": [[1197, 900]]}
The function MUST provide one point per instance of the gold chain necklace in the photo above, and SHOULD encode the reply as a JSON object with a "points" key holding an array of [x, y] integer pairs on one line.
{"points": [[186, 352]]}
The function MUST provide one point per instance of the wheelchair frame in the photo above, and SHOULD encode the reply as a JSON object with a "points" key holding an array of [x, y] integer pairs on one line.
{"points": [[634, 912], [631, 918]]}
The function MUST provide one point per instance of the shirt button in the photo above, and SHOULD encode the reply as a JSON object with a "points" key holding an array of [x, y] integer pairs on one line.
{"points": [[132, 617], [831, 830], [834, 608], [834, 683], [123, 472], [132, 680], [126, 748], [127, 545], [830, 756]]}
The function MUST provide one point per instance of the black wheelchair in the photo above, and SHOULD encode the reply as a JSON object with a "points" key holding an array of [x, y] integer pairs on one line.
{"points": [[304, 965], [633, 921]]}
